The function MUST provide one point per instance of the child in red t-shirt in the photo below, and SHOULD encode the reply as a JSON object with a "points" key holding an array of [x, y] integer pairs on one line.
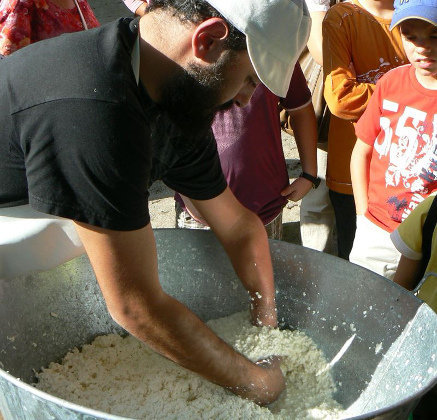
{"points": [[394, 162]]}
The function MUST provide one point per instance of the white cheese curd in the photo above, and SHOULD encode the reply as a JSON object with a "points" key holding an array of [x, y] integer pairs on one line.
{"points": [[122, 376]]}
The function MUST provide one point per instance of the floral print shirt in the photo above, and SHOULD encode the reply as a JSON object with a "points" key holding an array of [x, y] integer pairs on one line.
{"points": [[23, 22]]}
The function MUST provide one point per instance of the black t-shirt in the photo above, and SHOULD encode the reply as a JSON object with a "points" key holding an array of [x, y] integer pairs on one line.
{"points": [[80, 139]]}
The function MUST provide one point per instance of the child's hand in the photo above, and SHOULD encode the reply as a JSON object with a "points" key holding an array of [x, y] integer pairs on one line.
{"points": [[297, 189]]}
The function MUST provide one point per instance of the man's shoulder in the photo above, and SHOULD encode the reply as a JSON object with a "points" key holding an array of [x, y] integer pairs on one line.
{"points": [[90, 65]]}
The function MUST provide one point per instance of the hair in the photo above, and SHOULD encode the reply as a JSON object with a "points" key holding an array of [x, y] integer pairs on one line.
{"points": [[196, 11]]}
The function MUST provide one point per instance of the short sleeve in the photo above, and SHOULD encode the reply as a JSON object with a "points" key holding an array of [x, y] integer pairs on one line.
{"points": [[198, 174], [298, 94], [88, 161], [407, 238]]}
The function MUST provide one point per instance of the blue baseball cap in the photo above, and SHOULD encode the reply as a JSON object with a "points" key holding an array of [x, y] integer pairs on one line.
{"points": [[414, 9]]}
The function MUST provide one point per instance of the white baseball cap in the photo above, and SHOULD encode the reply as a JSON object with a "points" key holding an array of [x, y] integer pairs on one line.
{"points": [[276, 33]]}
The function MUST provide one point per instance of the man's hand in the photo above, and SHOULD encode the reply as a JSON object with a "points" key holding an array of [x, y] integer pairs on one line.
{"points": [[244, 238], [298, 189], [270, 384], [125, 264]]}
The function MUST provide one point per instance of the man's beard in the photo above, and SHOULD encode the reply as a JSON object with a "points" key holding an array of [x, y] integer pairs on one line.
{"points": [[191, 97]]}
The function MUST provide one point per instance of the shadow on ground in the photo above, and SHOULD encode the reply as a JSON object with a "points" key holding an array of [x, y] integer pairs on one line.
{"points": [[159, 190], [291, 233]]}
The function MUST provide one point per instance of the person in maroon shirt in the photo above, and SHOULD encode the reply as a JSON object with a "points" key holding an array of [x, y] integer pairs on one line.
{"points": [[23, 22], [252, 159]]}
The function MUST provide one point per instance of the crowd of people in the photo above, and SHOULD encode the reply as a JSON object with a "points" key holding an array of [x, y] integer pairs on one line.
{"points": [[195, 93]]}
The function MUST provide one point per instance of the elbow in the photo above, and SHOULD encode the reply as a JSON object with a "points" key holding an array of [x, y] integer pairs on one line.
{"points": [[346, 101], [246, 231], [137, 313], [346, 111], [252, 224], [335, 108], [127, 317], [120, 315], [341, 109]]}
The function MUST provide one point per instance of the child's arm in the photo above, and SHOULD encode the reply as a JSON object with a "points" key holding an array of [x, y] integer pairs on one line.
{"points": [[315, 40], [407, 272], [317, 9], [408, 240], [304, 125], [360, 163], [347, 98], [136, 6]]}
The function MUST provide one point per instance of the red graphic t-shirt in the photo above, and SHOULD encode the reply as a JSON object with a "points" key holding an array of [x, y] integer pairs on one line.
{"points": [[400, 122], [23, 22]]}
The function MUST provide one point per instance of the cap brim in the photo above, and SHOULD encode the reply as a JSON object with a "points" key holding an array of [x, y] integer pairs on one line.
{"points": [[427, 13], [273, 73]]}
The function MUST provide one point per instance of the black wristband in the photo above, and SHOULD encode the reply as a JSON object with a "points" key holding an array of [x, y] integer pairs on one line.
{"points": [[315, 180]]}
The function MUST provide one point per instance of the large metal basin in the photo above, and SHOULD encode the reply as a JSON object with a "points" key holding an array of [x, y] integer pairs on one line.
{"points": [[46, 314]]}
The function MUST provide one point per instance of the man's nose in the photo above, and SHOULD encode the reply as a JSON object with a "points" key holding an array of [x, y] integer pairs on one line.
{"points": [[243, 97]]}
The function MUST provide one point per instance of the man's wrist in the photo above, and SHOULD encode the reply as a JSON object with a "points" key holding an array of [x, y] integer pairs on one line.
{"points": [[314, 179]]}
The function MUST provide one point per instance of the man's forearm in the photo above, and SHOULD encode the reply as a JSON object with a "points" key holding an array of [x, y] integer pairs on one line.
{"points": [[244, 238], [249, 253], [126, 267], [172, 330]]}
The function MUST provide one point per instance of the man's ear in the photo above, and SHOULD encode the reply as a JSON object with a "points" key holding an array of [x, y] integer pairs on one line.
{"points": [[208, 39]]}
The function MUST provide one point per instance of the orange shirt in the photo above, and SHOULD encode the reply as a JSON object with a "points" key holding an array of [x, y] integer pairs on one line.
{"points": [[358, 48]]}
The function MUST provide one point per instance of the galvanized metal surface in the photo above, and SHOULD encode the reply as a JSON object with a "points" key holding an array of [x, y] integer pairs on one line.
{"points": [[389, 360]]}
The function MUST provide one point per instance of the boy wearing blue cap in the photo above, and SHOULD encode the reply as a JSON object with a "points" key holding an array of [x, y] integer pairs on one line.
{"points": [[394, 162]]}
